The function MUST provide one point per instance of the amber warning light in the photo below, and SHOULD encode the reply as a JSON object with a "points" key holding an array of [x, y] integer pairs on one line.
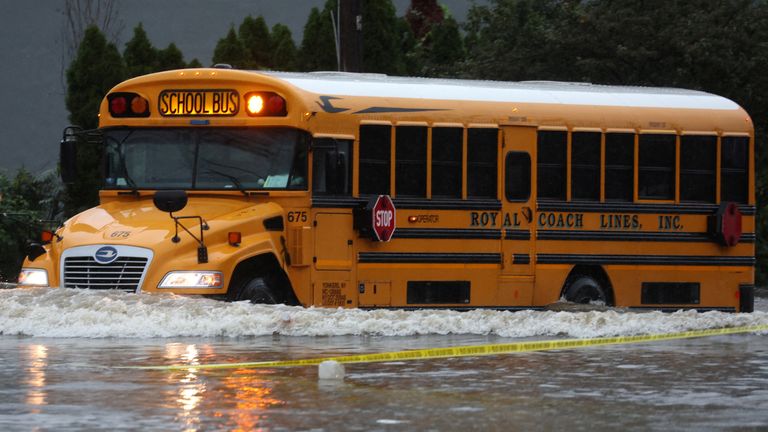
{"points": [[128, 105], [265, 104]]}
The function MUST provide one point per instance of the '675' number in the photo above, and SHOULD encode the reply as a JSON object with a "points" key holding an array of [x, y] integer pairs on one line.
{"points": [[297, 216]]}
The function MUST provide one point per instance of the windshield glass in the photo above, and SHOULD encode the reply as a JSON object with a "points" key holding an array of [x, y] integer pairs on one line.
{"points": [[220, 158]]}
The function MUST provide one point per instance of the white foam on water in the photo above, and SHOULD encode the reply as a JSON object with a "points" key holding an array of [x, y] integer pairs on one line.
{"points": [[93, 314]]}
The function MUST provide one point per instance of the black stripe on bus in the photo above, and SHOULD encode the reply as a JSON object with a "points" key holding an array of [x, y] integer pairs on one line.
{"points": [[429, 258], [523, 259], [694, 237], [616, 207], [513, 234], [448, 233], [692, 260], [409, 203]]}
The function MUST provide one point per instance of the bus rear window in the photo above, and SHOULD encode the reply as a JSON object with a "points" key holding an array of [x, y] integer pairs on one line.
{"points": [[551, 165], [447, 143], [656, 165], [482, 160], [698, 165], [375, 159], [411, 161], [585, 166], [734, 173], [619, 166]]}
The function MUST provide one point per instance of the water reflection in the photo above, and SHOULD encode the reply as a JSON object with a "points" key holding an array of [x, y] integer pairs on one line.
{"points": [[241, 398], [37, 359], [191, 389], [252, 394]]}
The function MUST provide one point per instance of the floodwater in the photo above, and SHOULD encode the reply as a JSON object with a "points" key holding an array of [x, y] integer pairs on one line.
{"points": [[61, 353]]}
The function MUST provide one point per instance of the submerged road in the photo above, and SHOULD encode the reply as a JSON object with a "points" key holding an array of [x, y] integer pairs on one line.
{"points": [[60, 348]]}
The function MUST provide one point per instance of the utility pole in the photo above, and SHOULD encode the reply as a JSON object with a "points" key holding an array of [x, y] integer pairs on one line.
{"points": [[351, 35]]}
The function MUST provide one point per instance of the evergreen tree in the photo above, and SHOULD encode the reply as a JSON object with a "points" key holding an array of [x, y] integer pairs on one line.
{"points": [[170, 58], [283, 55], [318, 49], [254, 35], [408, 46], [381, 41], [140, 56], [230, 50], [443, 49], [194, 63], [97, 68], [517, 40]]}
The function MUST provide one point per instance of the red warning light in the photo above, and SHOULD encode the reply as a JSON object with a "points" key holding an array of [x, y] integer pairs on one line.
{"points": [[276, 105], [118, 106]]}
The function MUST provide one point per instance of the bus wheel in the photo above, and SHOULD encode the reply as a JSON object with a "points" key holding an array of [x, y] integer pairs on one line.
{"points": [[585, 289], [255, 290]]}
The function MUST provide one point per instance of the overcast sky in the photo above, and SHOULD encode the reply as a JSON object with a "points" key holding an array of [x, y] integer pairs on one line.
{"points": [[32, 88]]}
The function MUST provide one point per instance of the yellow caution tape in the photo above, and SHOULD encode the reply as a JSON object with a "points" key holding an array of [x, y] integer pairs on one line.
{"points": [[467, 351]]}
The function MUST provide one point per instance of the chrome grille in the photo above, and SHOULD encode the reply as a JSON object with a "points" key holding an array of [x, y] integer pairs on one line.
{"points": [[122, 274]]}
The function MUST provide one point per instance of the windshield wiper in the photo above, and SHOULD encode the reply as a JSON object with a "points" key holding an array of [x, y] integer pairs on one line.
{"points": [[232, 178]]}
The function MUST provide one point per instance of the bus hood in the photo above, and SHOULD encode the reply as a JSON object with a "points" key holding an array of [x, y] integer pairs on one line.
{"points": [[140, 223]]}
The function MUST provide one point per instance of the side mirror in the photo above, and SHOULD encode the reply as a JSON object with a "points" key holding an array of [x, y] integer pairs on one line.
{"points": [[68, 156], [170, 200]]}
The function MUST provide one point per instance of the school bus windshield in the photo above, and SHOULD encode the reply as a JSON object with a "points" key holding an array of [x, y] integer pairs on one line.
{"points": [[211, 159]]}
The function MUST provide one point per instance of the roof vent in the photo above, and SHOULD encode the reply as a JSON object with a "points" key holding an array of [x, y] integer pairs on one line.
{"points": [[222, 66]]}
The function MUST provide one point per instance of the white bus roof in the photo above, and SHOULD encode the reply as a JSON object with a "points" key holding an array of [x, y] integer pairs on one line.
{"points": [[543, 92]]}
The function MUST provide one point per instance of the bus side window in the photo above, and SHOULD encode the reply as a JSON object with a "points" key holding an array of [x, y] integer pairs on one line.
{"points": [[734, 174], [411, 161], [375, 159], [517, 184], [447, 149], [656, 167], [331, 167], [482, 160], [552, 154], [619, 166], [585, 166], [698, 168]]}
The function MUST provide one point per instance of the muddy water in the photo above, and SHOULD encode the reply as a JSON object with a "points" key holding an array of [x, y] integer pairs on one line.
{"points": [[60, 350]]}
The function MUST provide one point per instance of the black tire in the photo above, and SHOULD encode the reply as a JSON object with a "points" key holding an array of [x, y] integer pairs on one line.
{"points": [[255, 290], [585, 289]]}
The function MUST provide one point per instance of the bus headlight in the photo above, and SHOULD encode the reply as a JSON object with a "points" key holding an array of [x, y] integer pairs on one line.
{"points": [[33, 277], [189, 279]]}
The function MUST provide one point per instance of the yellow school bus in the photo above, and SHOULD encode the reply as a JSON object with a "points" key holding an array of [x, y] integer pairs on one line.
{"points": [[364, 190]]}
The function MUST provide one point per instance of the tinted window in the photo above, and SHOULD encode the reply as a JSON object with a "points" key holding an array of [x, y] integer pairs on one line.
{"points": [[447, 146], [585, 166], [517, 185], [552, 155], [411, 161], [331, 167], [619, 166], [374, 159], [482, 154], [698, 161], [734, 174], [656, 176]]}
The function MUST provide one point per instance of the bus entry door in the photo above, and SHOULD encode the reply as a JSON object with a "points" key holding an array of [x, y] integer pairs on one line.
{"points": [[333, 260], [519, 210]]}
